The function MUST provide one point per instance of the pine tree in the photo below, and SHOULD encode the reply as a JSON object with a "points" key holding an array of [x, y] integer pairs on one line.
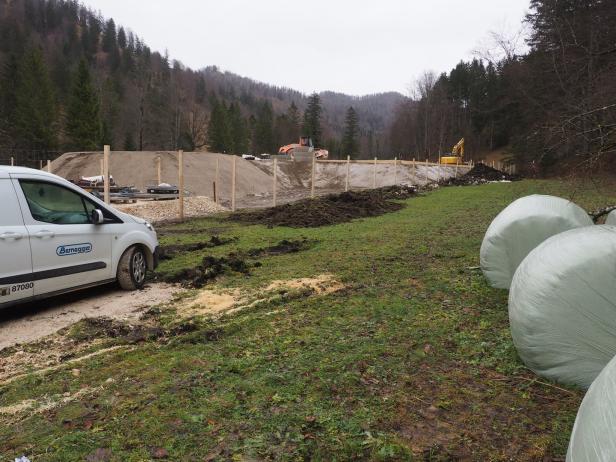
{"points": [[350, 144], [239, 130], [293, 116], [264, 129], [110, 36], [122, 41], [83, 120], [8, 100], [312, 119], [218, 131], [35, 108]]}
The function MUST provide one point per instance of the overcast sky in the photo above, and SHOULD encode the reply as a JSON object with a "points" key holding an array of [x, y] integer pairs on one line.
{"points": [[350, 46]]}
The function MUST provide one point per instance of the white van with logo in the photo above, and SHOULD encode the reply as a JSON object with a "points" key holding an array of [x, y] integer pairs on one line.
{"points": [[55, 238]]}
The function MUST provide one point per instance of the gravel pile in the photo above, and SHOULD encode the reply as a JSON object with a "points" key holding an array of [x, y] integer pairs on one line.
{"points": [[157, 211]]}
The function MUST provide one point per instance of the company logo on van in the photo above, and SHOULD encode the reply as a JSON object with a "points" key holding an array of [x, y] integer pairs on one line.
{"points": [[73, 249]]}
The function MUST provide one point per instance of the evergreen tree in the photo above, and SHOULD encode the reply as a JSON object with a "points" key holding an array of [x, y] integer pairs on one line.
{"points": [[218, 131], [110, 36], [239, 130], [264, 129], [293, 116], [122, 41], [8, 100], [83, 120], [129, 142], [350, 143], [312, 119], [35, 109]]}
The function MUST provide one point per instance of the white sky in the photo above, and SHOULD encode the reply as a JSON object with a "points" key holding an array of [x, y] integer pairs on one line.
{"points": [[352, 46]]}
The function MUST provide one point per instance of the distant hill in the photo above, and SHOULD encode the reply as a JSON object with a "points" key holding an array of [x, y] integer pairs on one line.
{"points": [[147, 100]]}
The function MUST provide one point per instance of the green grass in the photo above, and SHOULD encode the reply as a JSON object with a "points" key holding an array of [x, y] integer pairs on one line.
{"points": [[412, 361]]}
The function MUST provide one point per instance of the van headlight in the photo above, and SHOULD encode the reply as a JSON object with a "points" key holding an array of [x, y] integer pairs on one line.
{"points": [[148, 225]]}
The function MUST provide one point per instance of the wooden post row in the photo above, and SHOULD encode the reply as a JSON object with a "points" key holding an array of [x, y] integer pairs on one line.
{"points": [[106, 154], [374, 175], [181, 182], [348, 167], [395, 171], [233, 173], [312, 177], [275, 180]]}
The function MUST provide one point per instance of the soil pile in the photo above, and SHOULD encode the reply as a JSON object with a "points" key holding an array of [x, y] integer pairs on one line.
{"points": [[283, 247], [480, 174], [209, 269], [168, 252], [330, 209]]}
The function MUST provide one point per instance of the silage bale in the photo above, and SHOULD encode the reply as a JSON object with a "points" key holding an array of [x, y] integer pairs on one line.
{"points": [[611, 218], [562, 305], [593, 438], [521, 227]]}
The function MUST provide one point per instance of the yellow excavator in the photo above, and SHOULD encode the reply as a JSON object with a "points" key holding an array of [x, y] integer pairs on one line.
{"points": [[457, 154]]}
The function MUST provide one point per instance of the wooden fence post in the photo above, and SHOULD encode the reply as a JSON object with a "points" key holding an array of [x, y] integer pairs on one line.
{"points": [[181, 182], [427, 180], [395, 171], [233, 173], [159, 170], [217, 181], [314, 160], [275, 180], [48, 166], [40, 164], [374, 175], [457, 162], [414, 170], [12, 161], [106, 154], [348, 167]]}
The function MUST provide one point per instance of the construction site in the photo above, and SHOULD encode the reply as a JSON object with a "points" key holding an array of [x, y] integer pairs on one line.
{"points": [[210, 183]]}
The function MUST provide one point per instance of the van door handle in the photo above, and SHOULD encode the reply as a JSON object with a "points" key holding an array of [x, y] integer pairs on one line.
{"points": [[44, 233], [10, 235]]}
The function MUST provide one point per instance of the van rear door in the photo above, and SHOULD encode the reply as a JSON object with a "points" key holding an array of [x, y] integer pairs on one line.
{"points": [[15, 257]]}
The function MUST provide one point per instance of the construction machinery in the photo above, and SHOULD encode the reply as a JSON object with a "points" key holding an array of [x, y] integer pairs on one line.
{"points": [[304, 146], [457, 154]]}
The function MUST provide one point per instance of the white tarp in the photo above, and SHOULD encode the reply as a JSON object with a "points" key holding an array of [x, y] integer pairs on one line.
{"points": [[611, 218], [562, 305], [521, 227], [594, 434]]}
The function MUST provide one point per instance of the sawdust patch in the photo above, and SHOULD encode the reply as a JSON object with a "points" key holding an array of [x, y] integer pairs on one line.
{"points": [[217, 302]]}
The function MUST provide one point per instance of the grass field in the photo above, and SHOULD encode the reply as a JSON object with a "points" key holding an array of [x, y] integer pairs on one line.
{"points": [[411, 360]]}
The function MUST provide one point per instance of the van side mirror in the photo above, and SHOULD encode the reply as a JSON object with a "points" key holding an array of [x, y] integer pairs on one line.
{"points": [[97, 217]]}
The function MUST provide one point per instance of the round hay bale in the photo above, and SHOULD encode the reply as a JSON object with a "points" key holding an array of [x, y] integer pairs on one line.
{"points": [[562, 305], [593, 438], [521, 227]]}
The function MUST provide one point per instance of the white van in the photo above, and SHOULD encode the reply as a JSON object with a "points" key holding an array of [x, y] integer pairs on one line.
{"points": [[55, 238]]}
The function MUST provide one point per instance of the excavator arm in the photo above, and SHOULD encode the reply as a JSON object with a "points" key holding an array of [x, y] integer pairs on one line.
{"points": [[458, 149]]}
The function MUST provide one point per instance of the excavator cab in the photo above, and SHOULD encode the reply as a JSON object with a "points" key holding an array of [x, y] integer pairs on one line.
{"points": [[306, 141]]}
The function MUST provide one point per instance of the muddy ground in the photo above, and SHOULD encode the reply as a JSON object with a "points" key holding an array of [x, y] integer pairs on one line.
{"points": [[330, 209]]}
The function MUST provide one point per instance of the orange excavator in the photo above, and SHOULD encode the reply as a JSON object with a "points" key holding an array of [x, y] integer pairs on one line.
{"points": [[457, 154], [305, 145]]}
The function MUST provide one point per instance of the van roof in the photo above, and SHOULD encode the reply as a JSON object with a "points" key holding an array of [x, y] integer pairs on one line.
{"points": [[5, 170]]}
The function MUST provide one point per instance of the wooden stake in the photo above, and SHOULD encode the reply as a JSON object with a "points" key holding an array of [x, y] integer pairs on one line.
{"points": [[214, 192], [233, 173], [106, 154], [457, 162], [159, 170], [395, 171], [48, 165], [348, 170], [181, 181], [414, 169], [12, 161], [374, 175], [314, 160], [427, 180], [275, 180], [40, 165], [217, 181]]}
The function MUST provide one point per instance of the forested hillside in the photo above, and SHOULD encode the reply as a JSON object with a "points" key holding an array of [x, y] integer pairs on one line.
{"points": [[552, 109], [71, 79]]}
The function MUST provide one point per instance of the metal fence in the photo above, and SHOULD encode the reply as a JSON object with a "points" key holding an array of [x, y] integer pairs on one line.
{"points": [[27, 158]]}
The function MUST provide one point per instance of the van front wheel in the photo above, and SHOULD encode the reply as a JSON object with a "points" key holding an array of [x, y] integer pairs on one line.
{"points": [[132, 269]]}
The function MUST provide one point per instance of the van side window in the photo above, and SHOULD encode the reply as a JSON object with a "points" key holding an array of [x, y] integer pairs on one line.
{"points": [[55, 204]]}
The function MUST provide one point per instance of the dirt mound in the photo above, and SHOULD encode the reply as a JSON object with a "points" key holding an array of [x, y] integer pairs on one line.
{"points": [[283, 247], [330, 209], [167, 252], [209, 269], [480, 174]]}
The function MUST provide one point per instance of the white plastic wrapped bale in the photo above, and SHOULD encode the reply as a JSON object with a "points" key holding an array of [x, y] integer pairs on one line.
{"points": [[562, 305], [611, 218], [521, 227], [594, 434]]}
